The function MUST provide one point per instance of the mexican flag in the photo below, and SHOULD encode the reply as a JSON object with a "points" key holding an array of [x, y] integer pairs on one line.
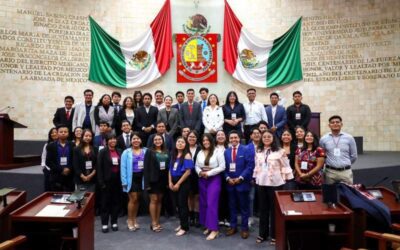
{"points": [[258, 62], [132, 64]]}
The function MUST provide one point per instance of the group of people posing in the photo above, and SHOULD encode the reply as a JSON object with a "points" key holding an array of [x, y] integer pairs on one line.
{"points": [[199, 151]]}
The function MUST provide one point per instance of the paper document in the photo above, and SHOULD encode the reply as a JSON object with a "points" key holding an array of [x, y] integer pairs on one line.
{"points": [[53, 211]]}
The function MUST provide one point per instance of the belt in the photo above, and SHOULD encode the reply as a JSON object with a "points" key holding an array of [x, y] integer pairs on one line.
{"points": [[338, 169]]}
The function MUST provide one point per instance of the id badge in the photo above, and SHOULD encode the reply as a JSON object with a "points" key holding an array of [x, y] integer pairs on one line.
{"points": [[298, 116], [175, 166], [140, 164], [88, 165], [63, 161], [336, 151], [304, 165], [115, 161], [232, 167], [265, 166], [233, 115], [162, 165]]}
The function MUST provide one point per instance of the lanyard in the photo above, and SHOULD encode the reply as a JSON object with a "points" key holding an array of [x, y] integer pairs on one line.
{"points": [[336, 142], [267, 154], [63, 150]]}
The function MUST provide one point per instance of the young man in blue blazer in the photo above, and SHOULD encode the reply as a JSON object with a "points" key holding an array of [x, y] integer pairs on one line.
{"points": [[238, 174]]}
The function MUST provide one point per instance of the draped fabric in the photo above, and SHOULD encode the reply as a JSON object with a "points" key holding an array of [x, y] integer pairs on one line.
{"points": [[132, 63], [258, 62]]}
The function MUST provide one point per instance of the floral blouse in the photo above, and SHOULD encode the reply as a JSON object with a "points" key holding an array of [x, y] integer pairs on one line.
{"points": [[311, 158]]}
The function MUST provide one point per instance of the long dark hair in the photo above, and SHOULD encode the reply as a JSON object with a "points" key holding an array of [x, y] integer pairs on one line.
{"points": [[82, 144], [185, 151], [135, 105], [75, 131], [274, 145], [227, 103], [195, 134], [124, 102], [315, 143], [101, 100], [49, 135], [163, 147], [208, 100], [210, 150]]}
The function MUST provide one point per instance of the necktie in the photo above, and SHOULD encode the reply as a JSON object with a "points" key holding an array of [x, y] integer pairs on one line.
{"points": [[127, 143], [67, 115], [204, 105], [190, 108], [234, 154]]}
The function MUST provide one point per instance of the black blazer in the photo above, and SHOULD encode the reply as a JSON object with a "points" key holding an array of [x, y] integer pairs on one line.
{"points": [[104, 165], [60, 117], [144, 119], [79, 163], [151, 171], [52, 161], [121, 141]]}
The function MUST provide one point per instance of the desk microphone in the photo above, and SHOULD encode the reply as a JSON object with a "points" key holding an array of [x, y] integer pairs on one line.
{"points": [[380, 181]]}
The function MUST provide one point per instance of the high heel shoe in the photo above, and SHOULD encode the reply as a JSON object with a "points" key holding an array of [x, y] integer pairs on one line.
{"points": [[180, 232], [155, 228], [213, 235], [205, 232], [177, 229]]}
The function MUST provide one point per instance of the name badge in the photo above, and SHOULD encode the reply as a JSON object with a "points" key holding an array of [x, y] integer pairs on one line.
{"points": [[265, 166], [175, 166], [101, 147], [304, 165], [88, 165], [336, 151], [232, 167], [140, 164], [114, 160], [162, 165], [298, 116], [233, 115], [63, 161]]}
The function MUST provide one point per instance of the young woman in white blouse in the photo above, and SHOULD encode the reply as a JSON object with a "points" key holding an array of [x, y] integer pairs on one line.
{"points": [[213, 116], [209, 165]]}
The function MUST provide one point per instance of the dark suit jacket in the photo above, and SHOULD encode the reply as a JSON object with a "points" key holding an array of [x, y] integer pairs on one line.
{"points": [[169, 142], [176, 106], [97, 140], [280, 118], [104, 165], [144, 119], [194, 120], [79, 164], [244, 167], [53, 162], [121, 141], [173, 120], [61, 118]]}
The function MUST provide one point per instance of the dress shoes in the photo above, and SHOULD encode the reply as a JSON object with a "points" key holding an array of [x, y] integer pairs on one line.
{"points": [[231, 231], [244, 234]]}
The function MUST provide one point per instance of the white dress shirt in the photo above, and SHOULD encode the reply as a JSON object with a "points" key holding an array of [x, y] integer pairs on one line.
{"points": [[255, 112]]}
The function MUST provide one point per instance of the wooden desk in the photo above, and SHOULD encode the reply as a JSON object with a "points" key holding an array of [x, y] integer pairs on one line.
{"points": [[46, 232], [15, 199], [389, 199], [310, 228]]}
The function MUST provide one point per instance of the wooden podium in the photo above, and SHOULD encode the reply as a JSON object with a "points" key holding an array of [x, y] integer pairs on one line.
{"points": [[7, 159], [305, 225], [55, 232]]}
